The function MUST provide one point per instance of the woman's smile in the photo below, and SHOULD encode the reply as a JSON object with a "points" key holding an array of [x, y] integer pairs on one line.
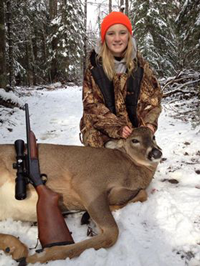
{"points": [[117, 39]]}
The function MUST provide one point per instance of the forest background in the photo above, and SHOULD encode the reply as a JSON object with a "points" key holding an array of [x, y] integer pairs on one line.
{"points": [[49, 40]]}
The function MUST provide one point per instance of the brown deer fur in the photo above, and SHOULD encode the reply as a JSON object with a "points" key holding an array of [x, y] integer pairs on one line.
{"points": [[97, 180]]}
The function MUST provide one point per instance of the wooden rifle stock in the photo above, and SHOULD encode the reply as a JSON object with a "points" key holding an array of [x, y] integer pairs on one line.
{"points": [[52, 229]]}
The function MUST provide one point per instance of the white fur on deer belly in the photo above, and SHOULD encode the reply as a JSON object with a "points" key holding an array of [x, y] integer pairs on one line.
{"points": [[24, 210]]}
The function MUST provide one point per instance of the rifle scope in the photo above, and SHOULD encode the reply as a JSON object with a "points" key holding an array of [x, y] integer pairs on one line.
{"points": [[20, 181]]}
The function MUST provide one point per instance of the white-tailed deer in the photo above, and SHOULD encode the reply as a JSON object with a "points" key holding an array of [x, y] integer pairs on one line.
{"points": [[97, 180]]}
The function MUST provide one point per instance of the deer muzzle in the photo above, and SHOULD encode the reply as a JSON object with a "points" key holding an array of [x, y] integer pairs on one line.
{"points": [[155, 155]]}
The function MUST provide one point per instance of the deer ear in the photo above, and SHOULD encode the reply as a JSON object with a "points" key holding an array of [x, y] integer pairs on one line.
{"points": [[115, 144]]}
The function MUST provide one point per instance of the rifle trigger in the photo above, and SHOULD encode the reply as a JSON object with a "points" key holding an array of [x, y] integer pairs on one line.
{"points": [[44, 178]]}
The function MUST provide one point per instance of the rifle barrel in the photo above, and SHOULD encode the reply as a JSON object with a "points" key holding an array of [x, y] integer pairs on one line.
{"points": [[28, 128]]}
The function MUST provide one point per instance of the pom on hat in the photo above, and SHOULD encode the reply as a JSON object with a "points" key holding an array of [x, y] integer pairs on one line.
{"points": [[114, 18]]}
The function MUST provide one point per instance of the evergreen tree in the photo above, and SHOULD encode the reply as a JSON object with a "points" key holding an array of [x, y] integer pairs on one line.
{"points": [[44, 40], [154, 33], [188, 31], [38, 29], [28, 20], [168, 33], [68, 29], [44, 48], [20, 43]]}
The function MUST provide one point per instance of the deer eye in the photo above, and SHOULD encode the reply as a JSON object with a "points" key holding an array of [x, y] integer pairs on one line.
{"points": [[154, 138], [135, 141]]}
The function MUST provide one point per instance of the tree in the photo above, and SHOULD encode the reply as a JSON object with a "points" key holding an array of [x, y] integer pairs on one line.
{"points": [[70, 34], [85, 36], [168, 33], [188, 31], [126, 7], [28, 33], [154, 34], [54, 37], [121, 7], [3, 81], [110, 6], [44, 40], [10, 42]]}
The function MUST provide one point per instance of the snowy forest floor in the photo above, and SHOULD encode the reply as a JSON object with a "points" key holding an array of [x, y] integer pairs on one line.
{"points": [[164, 230]]}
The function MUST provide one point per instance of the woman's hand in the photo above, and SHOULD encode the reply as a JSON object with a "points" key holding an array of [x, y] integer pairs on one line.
{"points": [[126, 131]]}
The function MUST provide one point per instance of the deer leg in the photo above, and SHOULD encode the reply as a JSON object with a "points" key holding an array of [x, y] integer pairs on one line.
{"points": [[13, 246], [141, 196], [99, 211]]}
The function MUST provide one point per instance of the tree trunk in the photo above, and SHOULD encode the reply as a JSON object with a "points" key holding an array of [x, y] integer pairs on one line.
{"points": [[44, 52], [3, 81], [53, 8], [85, 37], [34, 40], [28, 65], [64, 11], [33, 53], [29, 58], [126, 7], [121, 8], [54, 43], [10, 43], [110, 6]]}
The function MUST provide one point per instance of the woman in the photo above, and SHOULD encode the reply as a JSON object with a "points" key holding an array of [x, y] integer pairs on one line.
{"points": [[120, 91]]}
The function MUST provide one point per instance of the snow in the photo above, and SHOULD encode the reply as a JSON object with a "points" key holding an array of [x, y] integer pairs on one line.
{"points": [[56, 21], [198, 20], [10, 96], [164, 230]]}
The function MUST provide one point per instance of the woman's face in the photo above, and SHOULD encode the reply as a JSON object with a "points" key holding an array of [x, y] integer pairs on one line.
{"points": [[117, 39]]}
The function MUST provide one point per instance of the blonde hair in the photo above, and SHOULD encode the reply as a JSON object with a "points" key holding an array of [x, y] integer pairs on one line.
{"points": [[108, 59]]}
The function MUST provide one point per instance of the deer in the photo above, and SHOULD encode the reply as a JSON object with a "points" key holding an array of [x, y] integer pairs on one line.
{"points": [[95, 180]]}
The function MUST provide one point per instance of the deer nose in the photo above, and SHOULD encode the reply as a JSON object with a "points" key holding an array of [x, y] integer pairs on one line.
{"points": [[155, 154]]}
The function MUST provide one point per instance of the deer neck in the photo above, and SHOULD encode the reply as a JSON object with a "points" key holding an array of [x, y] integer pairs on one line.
{"points": [[151, 168]]}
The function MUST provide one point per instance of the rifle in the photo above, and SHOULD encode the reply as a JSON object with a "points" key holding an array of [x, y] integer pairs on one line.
{"points": [[52, 229]]}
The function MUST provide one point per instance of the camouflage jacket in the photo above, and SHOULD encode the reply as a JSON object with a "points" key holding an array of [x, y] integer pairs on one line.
{"points": [[98, 124]]}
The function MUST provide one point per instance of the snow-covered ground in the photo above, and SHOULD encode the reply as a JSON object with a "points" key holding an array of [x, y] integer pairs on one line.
{"points": [[164, 230]]}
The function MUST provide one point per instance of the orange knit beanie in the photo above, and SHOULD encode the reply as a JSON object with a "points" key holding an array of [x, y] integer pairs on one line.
{"points": [[114, 18]]}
